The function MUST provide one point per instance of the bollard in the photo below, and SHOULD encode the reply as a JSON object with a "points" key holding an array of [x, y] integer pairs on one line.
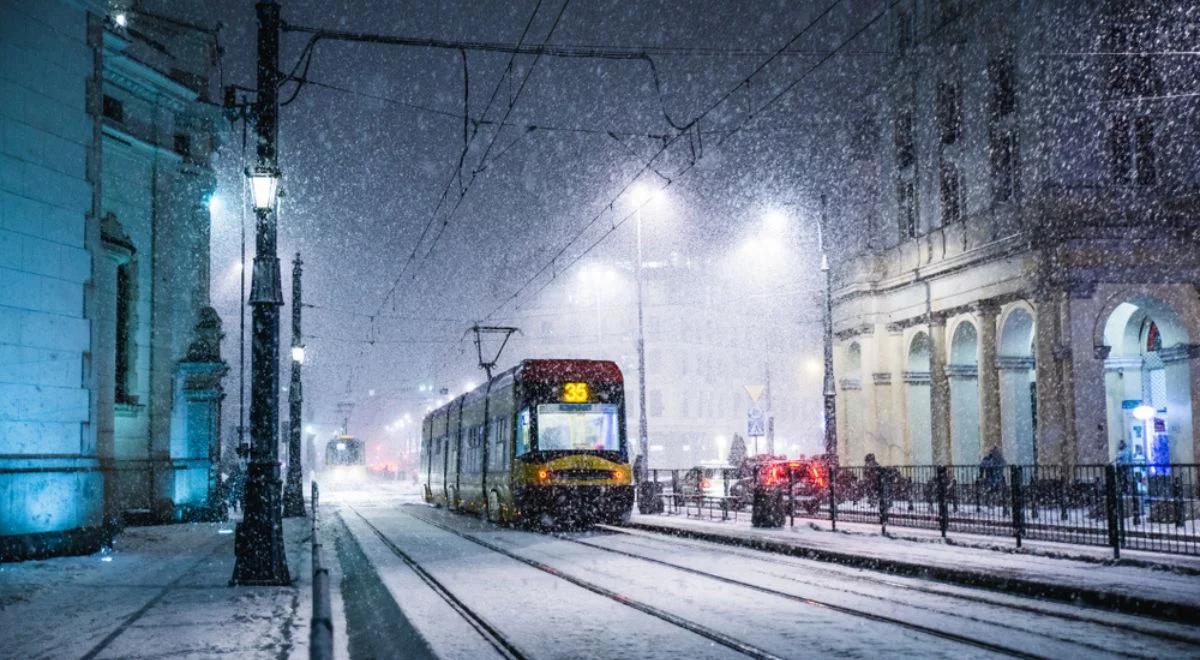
{"points": [[1018, 504], [943, 509], [767, 507], [320, 638]]}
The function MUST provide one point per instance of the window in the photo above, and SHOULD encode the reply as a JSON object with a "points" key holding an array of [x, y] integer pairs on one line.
{"points": [[183, 144], [905, 153], [949, 110], [903, 32], [1003, 155], [123, 372], [1131, 150], [1144, 136], [654, 403], [522, 433], [948, 10], [113, 109], [906, 209], [950, 193], [1002, 78], [578, 427]]}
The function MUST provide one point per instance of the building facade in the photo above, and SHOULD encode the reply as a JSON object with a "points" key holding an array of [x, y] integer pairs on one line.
{"points": [[705, 345], [109, 374], [1031, 281]]}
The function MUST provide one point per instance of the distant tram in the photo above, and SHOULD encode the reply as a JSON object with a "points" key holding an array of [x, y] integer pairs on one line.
{"points": [[345, 459], [543, 442]]}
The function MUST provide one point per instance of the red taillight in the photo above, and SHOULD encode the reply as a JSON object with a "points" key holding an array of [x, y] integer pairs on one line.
{"points": [[815, 473], [775, 476]]}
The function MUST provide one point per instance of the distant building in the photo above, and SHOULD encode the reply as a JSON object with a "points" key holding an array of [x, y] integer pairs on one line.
{"points": [[705, 344], [1031, 275], [109, 370]]}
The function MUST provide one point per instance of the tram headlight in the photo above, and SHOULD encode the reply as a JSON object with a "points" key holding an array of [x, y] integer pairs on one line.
{"points": [[543, 475]]}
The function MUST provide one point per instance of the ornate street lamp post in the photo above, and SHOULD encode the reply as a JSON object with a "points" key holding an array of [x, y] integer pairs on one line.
{"points": [[258, 546], [293, 491]]}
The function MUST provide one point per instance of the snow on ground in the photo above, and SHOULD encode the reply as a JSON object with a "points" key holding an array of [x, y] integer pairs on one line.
{"points": [[163, 591], [1136, 581]]}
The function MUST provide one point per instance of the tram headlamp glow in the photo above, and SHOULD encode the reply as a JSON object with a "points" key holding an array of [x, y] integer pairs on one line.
{"points": [[543, 475]]}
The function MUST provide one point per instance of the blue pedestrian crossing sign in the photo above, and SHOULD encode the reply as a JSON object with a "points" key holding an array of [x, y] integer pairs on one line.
{"points": [[755, 423]]}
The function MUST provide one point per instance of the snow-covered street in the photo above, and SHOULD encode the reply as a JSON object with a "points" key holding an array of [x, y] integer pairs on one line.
{"points": [[468, 588]]}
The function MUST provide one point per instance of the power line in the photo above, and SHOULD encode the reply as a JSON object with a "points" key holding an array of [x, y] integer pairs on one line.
{"points": [[612, 202]]}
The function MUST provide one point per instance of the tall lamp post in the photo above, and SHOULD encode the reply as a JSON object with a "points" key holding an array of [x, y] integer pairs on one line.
{"points": [[641, 197], [829, 391], [293, 491], [258, 546]]}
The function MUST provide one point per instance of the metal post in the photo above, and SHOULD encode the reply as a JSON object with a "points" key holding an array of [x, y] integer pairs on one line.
{"points": [[829, 392], [643, 433], [1018, 504], [1111, 498], [943, 510], [293, 491], [260, 558]]}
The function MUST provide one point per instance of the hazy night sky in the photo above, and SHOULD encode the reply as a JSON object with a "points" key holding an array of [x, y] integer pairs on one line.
{"points": [[363, 175]]}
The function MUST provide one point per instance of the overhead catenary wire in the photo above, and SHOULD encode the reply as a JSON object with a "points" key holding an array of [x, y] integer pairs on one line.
{"points": [[720, 101]]}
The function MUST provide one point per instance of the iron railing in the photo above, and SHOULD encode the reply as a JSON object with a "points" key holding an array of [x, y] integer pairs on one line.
{"points": [[320, 639], [1140, 507]]}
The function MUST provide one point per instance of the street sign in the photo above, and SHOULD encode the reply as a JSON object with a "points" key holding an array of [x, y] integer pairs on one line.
{"points": [[755, 423], [755, 392]]}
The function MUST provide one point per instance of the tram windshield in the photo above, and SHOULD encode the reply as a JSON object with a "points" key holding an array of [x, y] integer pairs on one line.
{"points": [[578, 427]]}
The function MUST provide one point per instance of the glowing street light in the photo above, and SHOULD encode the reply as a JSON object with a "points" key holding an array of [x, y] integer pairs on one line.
{"points": [[1145, 412], [298, 354], [264, 187], [121, 20]]}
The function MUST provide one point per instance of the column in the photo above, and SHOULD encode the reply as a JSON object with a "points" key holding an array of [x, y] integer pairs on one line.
{"points": [[939, 391], [989, 380]]}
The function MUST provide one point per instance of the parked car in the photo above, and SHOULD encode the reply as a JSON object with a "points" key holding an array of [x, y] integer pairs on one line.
{"points": [[807, 478]]}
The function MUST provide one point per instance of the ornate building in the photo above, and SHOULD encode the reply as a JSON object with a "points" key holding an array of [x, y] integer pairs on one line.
{"points": [[109, 374], [1031, 276]]}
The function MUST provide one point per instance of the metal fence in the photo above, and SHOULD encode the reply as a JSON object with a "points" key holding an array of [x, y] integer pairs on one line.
{"points": [[1141, 507]]}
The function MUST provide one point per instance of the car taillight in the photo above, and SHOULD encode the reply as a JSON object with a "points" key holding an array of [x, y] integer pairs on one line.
{"points": [[815, 473]]}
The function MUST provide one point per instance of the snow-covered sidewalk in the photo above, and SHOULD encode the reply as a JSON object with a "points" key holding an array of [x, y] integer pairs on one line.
{"points": [[1169, 587], [162, 592]]}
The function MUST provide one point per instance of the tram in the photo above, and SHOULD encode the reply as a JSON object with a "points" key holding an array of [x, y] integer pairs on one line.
{"points": [[345, 459], [542, 443]]}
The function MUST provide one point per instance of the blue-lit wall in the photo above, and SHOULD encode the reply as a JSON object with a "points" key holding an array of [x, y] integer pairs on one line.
{"points": [[50, 483]]}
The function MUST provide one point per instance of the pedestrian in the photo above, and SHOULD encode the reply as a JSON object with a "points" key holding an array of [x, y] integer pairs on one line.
{"points": [[872, 475], [991, 472]]}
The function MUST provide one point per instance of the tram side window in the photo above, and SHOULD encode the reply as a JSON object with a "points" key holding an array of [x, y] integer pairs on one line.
{"points": [[523, 433]]}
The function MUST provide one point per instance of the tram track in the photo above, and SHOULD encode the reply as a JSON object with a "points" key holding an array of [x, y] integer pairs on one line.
{"points": [[504, 646], [1158, 632], [915, 627], [745, 648]]}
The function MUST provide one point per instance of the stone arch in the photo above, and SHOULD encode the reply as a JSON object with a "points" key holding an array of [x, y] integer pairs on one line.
{"points": [[918, 431], [1147, 355], [963, 371], [1018, 385]]}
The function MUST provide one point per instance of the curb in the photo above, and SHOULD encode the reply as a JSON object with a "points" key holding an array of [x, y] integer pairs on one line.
{"points": [[1108, 600]]}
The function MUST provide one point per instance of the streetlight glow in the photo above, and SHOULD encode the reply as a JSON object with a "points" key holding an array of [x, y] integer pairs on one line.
{"points": [[264, 187], [214, 204], [298, 354], [121, 20]]}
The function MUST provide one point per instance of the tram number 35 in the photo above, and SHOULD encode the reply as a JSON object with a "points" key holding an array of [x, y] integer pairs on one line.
{"points": [[575, 393]]}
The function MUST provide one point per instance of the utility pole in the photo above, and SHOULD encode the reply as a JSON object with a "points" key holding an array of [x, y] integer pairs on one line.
{"points": [[643, 433], [830, 392], [293, 491], [260, 558]]}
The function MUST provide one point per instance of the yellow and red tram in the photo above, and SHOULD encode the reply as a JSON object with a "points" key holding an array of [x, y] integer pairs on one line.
{"points": [[542, 442]]}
